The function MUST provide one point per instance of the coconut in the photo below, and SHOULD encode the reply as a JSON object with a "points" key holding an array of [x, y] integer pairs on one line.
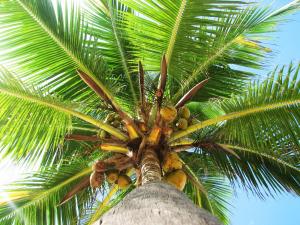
{"points": [[167, 131], [176, 178], [99, 166], [168, 113], [182, 124], [112, 176], [184, 112], [116, 123], [171, 162], [124, 181]]}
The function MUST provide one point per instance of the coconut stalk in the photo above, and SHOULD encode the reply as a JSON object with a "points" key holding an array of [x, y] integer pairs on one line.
{"points": [[205, 145], [116, 162], [162, 83]]}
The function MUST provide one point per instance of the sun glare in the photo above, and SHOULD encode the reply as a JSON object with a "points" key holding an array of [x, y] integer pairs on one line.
{"points": [[9, 172]]}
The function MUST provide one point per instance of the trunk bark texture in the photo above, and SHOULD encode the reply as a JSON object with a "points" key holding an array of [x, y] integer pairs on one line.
{"points": [[156, 203], [150, 166]]}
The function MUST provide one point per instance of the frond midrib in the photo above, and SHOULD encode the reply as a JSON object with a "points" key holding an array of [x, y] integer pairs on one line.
{"points": [[64, 109], [261, 154], [175, 29], [50, 191], [202, 66], [121, 51], [103, 204], [77, 61], [230, 116]]}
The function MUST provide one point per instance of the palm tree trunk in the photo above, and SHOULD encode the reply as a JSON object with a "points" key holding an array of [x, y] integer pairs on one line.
{"points": [[150, 166], [156, 203]]}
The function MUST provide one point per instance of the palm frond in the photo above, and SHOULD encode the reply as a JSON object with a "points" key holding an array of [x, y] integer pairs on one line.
{"points": [[257, 170], [103, 204], [99, 209], [106, 21], [33, 122], [29, 129], [208, 188], [45, 42], [235, 43], [201, 40], [38, 196], [267, 107]]}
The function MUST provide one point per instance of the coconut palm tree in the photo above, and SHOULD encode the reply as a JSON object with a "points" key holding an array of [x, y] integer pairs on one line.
{"points": [[155, 99]]}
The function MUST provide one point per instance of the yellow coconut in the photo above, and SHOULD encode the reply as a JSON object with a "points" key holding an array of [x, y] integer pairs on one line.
{"points": [[124, 181], [171, 162], [176, 178], [182, 124], [112, 176], [168, 113]]}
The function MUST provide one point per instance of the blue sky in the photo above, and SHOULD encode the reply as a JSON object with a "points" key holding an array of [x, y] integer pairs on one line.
{"points": [[284, 209]]}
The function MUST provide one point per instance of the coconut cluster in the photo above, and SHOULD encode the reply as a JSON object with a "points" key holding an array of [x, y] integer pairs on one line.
{"points": [[176, 119], [173, 120], [111, 176], [114, 120], [172, 170], [119, 178]]}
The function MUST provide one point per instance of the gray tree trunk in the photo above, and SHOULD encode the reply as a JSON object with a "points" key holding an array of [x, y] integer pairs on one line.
{"points": [[159, 204]]}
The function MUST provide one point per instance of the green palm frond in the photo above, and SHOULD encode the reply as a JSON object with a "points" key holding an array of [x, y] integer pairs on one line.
{"points": [[269, 106], [104, 203], [208, 189], [276, 129], [106, 20], [235, 46], [159, 26], [47, 42], [261, 172], [34, 123], [257, 170], [201, 40], [36, 197], [28, 129], [110, 199]]}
